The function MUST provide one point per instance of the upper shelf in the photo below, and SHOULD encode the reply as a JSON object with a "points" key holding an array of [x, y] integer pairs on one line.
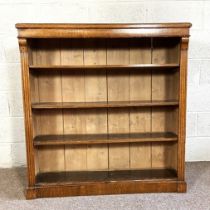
{"points": [[133, 66], [102, 104]]}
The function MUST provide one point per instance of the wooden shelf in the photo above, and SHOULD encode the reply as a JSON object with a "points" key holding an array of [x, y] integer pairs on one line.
{"points": [[105, 104], [57, 178], [103, 138], [89, 67]]}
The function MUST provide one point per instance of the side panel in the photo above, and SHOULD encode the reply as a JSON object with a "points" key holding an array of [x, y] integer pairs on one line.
{"points": [[27, 112], [182, 111]]}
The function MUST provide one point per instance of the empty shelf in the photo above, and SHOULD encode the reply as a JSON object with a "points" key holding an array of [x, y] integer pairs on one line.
{"points": [[104, 176], [78, 139], [111, 104], [135, 66]]}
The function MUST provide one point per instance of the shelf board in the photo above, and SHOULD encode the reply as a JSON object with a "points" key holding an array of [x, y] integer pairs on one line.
{"points": [[104, 104], [131, 66], [51, 178], [78, 139]]}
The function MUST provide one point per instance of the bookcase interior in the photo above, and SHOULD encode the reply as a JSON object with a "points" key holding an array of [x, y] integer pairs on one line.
{"points": [[102, 71]]}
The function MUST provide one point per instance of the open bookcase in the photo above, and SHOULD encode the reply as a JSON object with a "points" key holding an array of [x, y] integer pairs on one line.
{"points": [[104, 107]]}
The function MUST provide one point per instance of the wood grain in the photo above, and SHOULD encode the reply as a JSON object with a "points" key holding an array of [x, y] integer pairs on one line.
{"points": [[107, 188], [164, 87], [118, 90], [141, 66], [23, 46], [182, 110], [104, 25], [103, 30], [96, 90], [73, 87], [49, 89], [140, 118]]}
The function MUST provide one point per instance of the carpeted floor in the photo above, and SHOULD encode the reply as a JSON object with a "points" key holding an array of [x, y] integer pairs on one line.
{"points": [[198, 195]]}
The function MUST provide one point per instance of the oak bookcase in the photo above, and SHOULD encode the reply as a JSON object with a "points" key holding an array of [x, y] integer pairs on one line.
{"points": [[104, 107]]}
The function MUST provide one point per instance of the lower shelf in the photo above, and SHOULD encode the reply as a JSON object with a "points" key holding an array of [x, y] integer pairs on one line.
{"points": [[56, 178]]}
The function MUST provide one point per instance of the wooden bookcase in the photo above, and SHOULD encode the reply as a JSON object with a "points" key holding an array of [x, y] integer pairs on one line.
{"points": [[104, 107]]}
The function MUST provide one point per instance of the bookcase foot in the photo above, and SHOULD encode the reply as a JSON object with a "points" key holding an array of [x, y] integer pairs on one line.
{"points": [[182, 187], [30, 193]]}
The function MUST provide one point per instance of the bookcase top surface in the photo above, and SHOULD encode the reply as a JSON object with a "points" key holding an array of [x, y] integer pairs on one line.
{"points": [[129, 30], [100, 26]]}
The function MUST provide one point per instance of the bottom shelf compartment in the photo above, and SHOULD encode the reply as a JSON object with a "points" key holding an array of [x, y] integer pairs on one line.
{"points": [[56, 178]]}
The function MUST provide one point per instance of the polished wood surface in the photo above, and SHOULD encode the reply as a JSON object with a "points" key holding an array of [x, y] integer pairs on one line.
{"points": [[99, 25], [107, 188], [162, 66], [102, 30], [105, 107], [27, 112], [182, 110]]}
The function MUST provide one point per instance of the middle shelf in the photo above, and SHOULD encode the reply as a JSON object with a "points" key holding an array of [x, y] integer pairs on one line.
{"points": [[104, 104], [78, 139], [108, 67]]}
